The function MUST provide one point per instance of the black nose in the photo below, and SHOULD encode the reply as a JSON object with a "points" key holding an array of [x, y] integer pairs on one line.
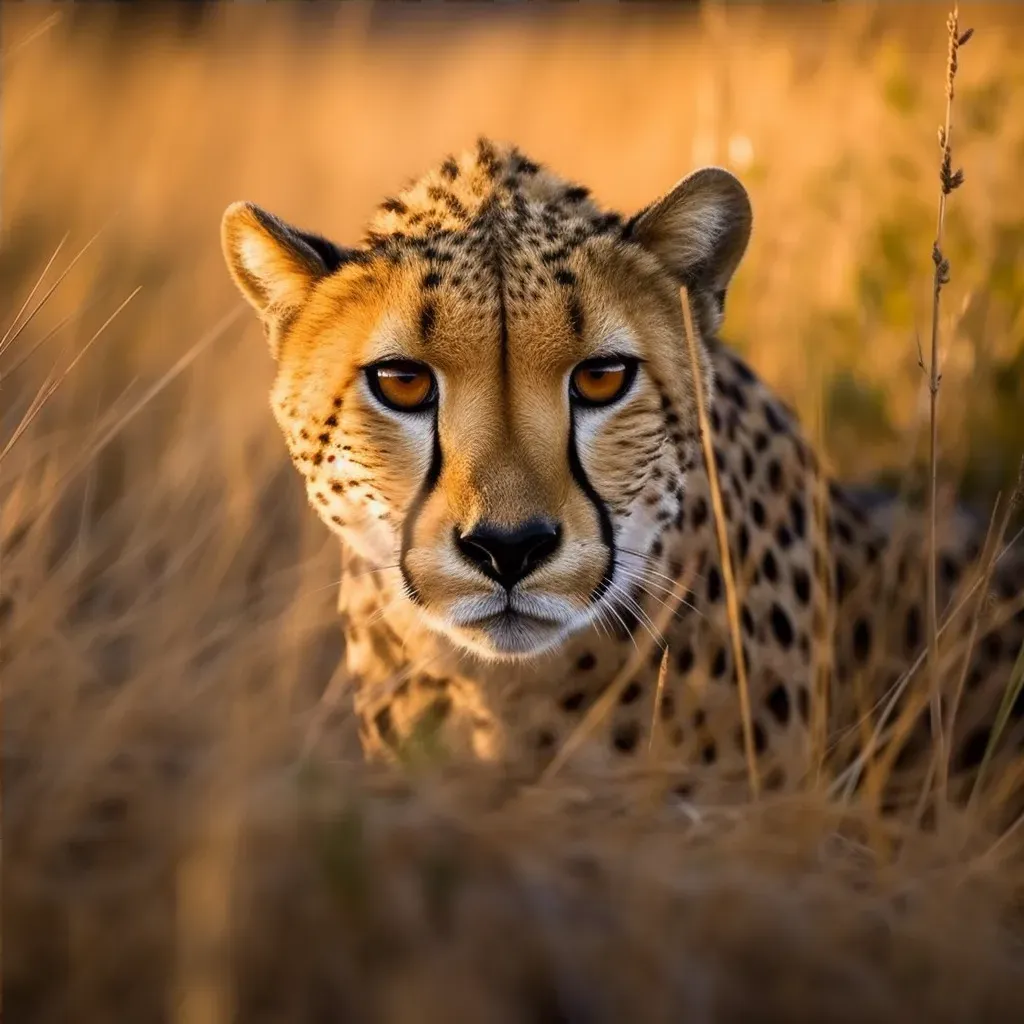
{"points": [[507, 556]]}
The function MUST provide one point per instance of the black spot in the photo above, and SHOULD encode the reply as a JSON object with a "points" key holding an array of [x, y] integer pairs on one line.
{"points": [[626, 623], [743, 542], [719, 663], [625, 737], [573, 701], [668, 706], [577, 193], [775, 475], [747, 621], [486, 157], [324, 438], [757, 512], [394, 206], [605, 223], [699, 515], [555, 255], [450, 169], [431, 280], [861, 639], [576, 316], [799, 516], [802, 585], [631, 693], [685, 660], [782, 627], [709, 752], [844, 531], [714, 585], [586, 662], [778, 704], [783, 537], [770, 567], [565, 277], [748, 465], [428, 317], [544, 739], [523, 165], [760, 442]]}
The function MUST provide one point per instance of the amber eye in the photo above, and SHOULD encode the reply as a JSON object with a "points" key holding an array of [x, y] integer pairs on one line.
{"points": [[602, 381], [402, 385]]}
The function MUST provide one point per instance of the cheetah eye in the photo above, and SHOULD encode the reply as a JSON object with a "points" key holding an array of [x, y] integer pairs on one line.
{"points": [[402, 385], [602, 381]]}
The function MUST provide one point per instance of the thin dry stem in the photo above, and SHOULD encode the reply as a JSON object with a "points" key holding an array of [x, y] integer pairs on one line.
{"points": [[41, 399], [13, 332], [34, 289], [658, 692], [950, 181], [731, 600]]}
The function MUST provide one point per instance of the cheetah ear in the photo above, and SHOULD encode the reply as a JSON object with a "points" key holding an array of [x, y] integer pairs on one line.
{"points": [[273, 264], [699, 230]]}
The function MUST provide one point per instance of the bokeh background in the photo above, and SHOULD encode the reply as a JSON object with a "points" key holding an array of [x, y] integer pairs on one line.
{"points": [[160, 115], [169, 646]]}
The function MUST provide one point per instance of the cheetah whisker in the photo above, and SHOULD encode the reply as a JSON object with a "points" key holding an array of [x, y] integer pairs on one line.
{"points": [[638, 609]]}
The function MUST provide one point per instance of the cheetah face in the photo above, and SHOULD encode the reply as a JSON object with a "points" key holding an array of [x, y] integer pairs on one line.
{"points": [[491, 400]]}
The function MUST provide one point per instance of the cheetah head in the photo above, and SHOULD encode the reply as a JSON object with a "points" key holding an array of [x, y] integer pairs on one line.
{"points": [[491, 395]]}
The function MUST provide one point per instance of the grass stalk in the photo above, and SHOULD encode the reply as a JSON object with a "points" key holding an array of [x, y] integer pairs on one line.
{"points": [[950, 180], [731, 599]]}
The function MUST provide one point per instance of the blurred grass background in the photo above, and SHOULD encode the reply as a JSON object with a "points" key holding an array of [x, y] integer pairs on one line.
{"points": [[161, 115], [170, 599]]}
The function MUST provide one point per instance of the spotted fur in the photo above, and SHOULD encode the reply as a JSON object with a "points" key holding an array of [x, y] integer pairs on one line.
{"points": [[502, 277]]}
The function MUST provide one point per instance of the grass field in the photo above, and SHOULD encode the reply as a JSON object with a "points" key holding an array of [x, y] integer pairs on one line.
{"points": [[188, 833]]}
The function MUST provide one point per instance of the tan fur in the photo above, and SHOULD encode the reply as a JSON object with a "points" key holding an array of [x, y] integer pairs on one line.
{"points": [[502, 278]]}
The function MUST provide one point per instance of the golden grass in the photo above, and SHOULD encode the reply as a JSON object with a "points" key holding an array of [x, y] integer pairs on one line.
{"points": [[189, 834]]}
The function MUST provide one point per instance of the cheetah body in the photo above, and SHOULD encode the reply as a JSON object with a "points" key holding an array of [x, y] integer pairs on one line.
{"points": [[501, 277]]}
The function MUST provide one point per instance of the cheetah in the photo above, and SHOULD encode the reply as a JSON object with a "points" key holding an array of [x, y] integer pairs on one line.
{"points": [[492, 406]]}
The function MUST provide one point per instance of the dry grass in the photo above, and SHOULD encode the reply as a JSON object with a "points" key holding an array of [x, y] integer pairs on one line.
{"points": [[188, 832]]}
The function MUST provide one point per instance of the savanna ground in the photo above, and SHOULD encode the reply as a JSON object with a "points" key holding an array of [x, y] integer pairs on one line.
{"points": [[188, 833]]}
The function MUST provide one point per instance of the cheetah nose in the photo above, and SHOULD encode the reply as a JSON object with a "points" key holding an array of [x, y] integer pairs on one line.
{"points": [[508, 556]]}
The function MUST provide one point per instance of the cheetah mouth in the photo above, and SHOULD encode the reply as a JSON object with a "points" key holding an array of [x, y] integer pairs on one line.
{"points": [[510, 617], [511, 632]]}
